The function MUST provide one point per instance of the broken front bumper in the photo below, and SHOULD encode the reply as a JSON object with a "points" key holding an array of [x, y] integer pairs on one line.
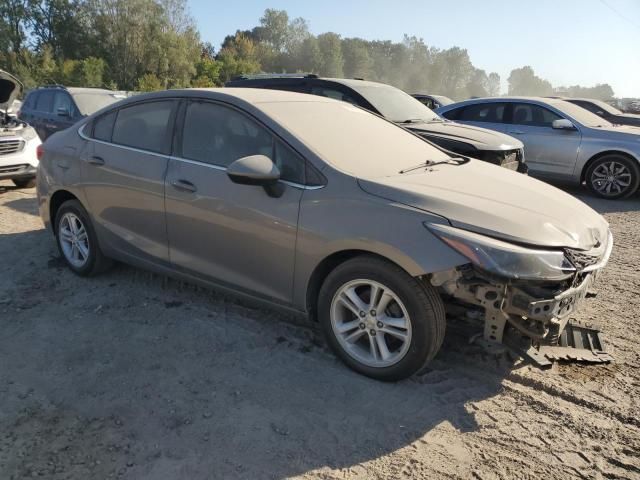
{"points": [[530, 318]]}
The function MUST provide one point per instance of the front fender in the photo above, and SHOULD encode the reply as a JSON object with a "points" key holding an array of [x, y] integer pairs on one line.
{"points": [[390, 230]]}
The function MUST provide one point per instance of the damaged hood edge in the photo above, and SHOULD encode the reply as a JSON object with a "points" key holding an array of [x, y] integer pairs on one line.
{"points": [[10, 89]]}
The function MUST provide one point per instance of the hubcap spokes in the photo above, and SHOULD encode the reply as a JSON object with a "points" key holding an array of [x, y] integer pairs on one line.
{"points": [[611, 178], [74, 240], [371, 323]]}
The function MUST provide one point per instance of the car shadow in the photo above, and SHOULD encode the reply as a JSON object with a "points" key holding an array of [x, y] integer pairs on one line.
{"points": [[23, 205], [148, 376]]}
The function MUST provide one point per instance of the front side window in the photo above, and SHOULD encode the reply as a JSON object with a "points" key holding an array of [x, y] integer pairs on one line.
{"points": [[219, 136], [483, 112], [533, 115], [144, 126]]}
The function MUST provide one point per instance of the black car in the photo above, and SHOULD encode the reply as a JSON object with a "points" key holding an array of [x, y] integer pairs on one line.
{"points": [[606, 111], [52, 108], [401, 108], [432, 101]]}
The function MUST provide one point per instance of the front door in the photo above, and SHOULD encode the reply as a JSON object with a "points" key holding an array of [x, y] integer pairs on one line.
{"points": [[124, 167], [234, 235], [548, 151]]}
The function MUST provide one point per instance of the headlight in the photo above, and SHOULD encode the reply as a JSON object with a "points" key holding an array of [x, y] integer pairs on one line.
{"points": [[29, 133], [503, 258]]}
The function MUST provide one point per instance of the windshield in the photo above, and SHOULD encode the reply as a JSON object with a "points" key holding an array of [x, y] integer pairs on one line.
{"points": [[585, 117], [89, 103], [394, 104], [351, 139]]}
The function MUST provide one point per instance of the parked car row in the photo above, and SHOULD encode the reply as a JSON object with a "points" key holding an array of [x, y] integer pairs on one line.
{"points": [[322, 207], [45, 110], [399, 107], [562, 140]]}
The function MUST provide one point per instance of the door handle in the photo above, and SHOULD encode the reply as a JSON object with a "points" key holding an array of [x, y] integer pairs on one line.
{"points": [[95, 160], [184, 185]]}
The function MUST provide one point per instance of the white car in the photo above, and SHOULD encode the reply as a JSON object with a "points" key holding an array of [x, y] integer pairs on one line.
{"points": [[18, 141]]}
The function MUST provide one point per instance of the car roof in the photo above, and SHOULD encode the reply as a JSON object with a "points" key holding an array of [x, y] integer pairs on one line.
{"points": [[248, 95], [547, 100], [288, 79]]}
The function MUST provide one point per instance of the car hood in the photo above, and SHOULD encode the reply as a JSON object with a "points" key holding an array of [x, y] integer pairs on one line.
{"points": [[480, 138], [493, 201], [10, 89]]}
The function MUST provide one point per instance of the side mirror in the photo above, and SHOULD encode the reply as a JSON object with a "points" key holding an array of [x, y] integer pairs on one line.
{"points": [[63, 112], [256, 170], [563, 124]]}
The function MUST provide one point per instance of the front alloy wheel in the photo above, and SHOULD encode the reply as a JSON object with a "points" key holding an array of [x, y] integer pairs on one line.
{"points": [[379, 320], [371, 323]]}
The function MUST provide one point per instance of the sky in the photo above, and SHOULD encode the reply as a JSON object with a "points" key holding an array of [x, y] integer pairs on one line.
{"points": [[567, 42]]}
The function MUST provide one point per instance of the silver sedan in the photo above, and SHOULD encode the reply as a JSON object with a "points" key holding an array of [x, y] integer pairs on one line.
{"points": [[562, 141]]}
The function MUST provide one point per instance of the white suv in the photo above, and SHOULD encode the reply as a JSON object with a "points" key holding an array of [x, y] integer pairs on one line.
{"points": [[18, 141]]}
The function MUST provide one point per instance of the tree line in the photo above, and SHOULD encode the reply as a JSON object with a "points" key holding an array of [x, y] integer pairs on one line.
{"points": [[154, 44]]}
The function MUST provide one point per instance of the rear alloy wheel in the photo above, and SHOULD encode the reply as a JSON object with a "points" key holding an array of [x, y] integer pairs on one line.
{"points": [[77, 241], [379, 320], [613, 177]]}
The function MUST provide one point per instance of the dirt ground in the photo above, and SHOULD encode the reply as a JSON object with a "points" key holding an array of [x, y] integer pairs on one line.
{"points": [[132, 376]]}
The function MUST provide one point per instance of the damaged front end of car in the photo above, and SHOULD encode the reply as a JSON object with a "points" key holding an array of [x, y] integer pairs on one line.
{"points": [[525, 296]]}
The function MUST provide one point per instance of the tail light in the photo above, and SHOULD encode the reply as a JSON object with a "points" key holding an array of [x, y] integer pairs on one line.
{"points": [[40, 152]]}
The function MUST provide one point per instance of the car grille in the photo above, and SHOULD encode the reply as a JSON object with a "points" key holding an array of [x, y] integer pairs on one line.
{"points": [[510, 159], [13, 168], [7, 147], [582, 260]]}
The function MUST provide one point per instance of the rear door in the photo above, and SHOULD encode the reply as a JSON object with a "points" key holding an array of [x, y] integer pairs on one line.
{"points": [[234, 235], [123, 178], [548, 151]]}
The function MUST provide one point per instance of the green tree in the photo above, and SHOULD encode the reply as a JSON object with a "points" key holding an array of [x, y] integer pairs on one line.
{"points": [[357, 62], [331, 60], [493, 85], [523, 81], [149, 83]]}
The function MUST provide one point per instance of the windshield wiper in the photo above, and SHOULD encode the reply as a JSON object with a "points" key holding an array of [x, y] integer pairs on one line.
{"points": [[431, 163]]}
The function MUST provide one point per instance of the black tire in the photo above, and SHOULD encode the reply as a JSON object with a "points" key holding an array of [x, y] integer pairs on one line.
{"points": [[24, 182], [423, 305], [95, 262], [632, 168]]}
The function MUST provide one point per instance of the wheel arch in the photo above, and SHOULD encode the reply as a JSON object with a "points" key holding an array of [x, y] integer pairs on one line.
{"points": [[56, 201], [326, 266], [604, 153]]}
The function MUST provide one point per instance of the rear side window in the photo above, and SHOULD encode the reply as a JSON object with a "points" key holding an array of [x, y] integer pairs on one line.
{"points": [[483, 112], [453, 114], [144, 126], [219, 136], [103, 126], [45, 102], [533, 115]]}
